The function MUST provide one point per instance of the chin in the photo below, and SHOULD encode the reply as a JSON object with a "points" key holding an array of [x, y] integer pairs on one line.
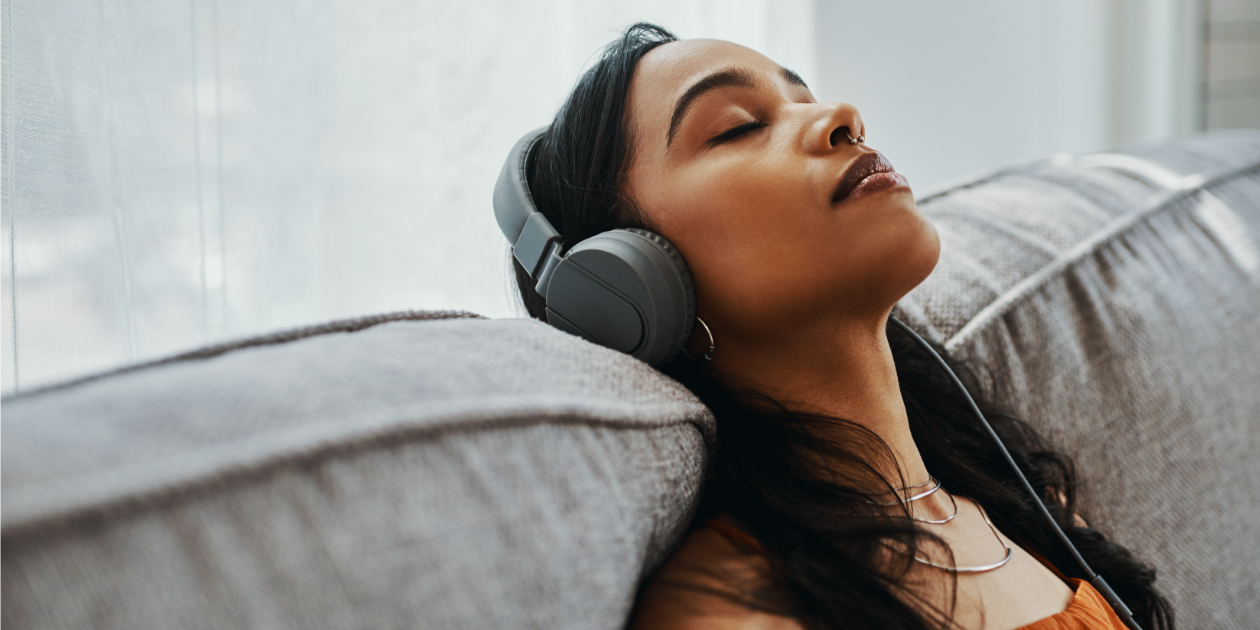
{"points": [[917, 255], [929, 251]]}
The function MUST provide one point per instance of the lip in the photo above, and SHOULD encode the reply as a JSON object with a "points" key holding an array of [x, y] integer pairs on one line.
{"points": [[868, 174]]}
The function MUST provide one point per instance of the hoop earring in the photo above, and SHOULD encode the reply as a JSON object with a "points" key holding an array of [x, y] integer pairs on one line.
{"points": [[708, 354]]}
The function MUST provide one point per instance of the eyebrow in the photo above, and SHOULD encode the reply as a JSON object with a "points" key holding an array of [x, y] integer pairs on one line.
{"points": [[793, 78], [736, 77]]}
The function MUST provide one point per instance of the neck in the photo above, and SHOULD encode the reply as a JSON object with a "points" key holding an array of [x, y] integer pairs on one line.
{"points": [[842, 369]]}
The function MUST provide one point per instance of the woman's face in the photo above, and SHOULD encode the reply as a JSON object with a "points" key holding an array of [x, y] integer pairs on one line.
{"points": [[737, 165]]}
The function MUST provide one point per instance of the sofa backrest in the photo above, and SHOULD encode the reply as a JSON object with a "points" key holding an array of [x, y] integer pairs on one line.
{"points": [[1113, 301], [463, 472], [389, 472]]}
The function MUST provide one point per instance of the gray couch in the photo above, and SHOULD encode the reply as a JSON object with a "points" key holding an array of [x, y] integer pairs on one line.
{"points": [[439, 470]]}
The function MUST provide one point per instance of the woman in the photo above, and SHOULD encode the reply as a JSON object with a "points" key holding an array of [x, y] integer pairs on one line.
{"points": [[852, 488]]}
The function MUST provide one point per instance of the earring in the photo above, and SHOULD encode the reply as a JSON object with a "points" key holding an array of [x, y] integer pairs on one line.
{"points": [[708, 354]]}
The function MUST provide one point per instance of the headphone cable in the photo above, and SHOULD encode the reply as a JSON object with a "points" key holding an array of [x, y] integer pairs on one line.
{"points": [[1095, 580]]}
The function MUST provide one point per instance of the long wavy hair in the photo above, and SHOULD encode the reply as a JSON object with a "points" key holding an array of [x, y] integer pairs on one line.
{"points": [[828, 548]]}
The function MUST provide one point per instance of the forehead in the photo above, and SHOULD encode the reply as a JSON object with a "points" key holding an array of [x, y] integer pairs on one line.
{"points": [[665, 73]]}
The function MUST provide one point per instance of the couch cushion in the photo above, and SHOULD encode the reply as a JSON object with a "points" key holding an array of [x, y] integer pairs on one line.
{"points": [[470, 473], [381, 473], [1112, 301]]}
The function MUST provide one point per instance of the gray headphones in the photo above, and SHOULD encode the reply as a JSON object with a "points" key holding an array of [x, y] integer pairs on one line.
{"points": [[629, 290]]}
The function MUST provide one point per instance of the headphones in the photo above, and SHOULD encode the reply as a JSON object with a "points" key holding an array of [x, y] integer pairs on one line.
{"points": [[629, 290]]}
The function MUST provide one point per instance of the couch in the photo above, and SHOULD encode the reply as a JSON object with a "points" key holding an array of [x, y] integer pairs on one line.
{"points": [[442, 470]]}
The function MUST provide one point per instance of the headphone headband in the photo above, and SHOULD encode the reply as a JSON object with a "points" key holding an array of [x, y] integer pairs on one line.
{"points": [[526, 229]]}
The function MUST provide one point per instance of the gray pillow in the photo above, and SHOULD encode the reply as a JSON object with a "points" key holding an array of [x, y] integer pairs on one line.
{"points": [[457, 473], [1111, 300]]}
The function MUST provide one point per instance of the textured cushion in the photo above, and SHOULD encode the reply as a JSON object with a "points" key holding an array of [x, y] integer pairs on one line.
{"points": [[475, 473], [460, 473], [1112, 301]]}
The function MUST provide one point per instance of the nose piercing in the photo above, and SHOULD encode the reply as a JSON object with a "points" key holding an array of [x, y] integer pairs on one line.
{"points": [[858, 140]]}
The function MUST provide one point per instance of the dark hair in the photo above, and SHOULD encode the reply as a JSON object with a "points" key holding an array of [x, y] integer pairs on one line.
{"points": [[827, 546]]}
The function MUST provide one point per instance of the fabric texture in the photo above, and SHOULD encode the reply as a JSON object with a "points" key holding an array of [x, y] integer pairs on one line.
{"points": [[459, 473], [1111, 301]]}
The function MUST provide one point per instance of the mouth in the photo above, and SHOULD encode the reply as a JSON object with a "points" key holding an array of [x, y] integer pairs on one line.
{"points": [[870, 173]]}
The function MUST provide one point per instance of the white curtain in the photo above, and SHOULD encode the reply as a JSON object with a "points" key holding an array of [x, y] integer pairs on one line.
{"points": [[178, 172]]}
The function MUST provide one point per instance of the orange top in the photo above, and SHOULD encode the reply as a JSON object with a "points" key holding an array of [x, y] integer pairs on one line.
{"points": [[1088, 610]]}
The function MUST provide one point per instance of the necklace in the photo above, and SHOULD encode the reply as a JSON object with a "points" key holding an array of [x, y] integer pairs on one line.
{"points": [[980, 568], [936, 485], [919, 485], [946, 519]]}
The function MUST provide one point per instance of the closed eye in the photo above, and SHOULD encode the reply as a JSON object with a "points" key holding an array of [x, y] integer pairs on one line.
{"points": [[736, 132]]}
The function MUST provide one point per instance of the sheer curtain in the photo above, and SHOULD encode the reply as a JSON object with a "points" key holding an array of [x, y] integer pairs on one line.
{"points": [[178, 172]]}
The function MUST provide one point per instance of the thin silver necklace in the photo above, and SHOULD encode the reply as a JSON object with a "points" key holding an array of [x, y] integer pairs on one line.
{"points": [[931, 479], [946, 519], [936, 485], [980, 568]]}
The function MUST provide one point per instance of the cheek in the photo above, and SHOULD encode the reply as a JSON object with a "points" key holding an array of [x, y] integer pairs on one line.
{"points": [[753, 277], [752, 241], [890, 252], [765, 251]]}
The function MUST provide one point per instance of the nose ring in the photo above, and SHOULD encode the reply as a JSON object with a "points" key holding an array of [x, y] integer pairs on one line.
{"points": [[858, 140]]}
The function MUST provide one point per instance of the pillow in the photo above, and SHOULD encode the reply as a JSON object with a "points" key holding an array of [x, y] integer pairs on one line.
{"points": [[1111, 301]]}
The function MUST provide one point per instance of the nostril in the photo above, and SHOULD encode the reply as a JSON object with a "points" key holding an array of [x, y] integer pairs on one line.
{"points": [[839, 136]]}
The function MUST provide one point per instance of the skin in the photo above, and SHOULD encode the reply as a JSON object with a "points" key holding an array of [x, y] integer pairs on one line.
{"points": [[797, 291]]}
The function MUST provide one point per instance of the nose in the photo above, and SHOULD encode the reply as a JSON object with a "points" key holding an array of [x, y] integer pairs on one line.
{"points": [[835, 125]]}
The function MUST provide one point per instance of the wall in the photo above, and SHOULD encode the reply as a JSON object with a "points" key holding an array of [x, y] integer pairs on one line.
{"points": [[1231, 82], [949, 89]]}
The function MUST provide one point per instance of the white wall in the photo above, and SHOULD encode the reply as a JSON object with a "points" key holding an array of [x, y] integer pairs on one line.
{"points": [[949, 89], [177, 172]]}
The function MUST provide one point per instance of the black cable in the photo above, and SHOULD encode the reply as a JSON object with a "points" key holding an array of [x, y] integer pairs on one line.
{"points": [[1095, 580]]}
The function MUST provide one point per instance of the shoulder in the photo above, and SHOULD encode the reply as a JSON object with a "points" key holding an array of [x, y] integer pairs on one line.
{"points": [[703, 583]]}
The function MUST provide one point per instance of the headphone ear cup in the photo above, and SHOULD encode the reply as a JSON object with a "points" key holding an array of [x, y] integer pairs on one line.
{"points": [[629, 290]]}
